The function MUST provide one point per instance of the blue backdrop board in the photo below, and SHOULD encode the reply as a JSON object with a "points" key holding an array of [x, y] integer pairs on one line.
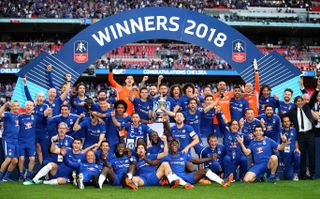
{"points": [[161, 23]]}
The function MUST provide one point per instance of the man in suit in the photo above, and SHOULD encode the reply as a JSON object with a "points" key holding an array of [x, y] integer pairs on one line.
{"points": [[301, 117]]}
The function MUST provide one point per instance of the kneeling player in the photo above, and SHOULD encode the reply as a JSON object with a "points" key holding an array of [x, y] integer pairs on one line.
{"points": [[120, 169], [88, 172], [178, 160], [147, 173], [261, 148]]}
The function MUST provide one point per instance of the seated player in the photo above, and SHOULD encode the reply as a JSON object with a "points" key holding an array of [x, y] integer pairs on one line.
{"points": [[88, 171], [217, 151], [234, 156], [60, 173], [120, 170], [103, 154], [178, 160], [148, 173], [261, 148]]}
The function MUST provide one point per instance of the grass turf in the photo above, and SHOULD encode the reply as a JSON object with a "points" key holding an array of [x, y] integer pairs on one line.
{"points": [[283, 189]]}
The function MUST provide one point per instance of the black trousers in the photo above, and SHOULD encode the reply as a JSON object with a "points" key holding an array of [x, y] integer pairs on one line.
{"points": [[306, 142]]}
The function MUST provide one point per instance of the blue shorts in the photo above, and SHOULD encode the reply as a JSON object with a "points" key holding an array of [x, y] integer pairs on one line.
{"points": [[188, 177], [63, 172], [117, 179], [27, 149], [150, 179], [259, 169], [11, 148]]}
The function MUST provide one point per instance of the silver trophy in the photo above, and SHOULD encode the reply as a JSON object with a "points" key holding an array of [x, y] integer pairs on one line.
{"points": [[161, 103]]}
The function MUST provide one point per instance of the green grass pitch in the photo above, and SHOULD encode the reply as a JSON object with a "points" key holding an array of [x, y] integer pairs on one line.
{"points": [[283, 189]]}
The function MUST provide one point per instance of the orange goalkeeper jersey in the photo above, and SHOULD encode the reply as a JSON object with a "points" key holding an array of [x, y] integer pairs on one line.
{"points": [[123, 93]]}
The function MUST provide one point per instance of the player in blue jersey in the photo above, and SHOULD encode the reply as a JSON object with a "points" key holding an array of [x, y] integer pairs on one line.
{"points": [[88, 170], [94, 131], [60, 173], [142, 106], [184, 133], [266, 98], [238, 105], [163, 100], [149, 170], [113, 136], [78, 101], [136, 130], [64, 87], [156, 145], [217, 151], [271, 123], [102, 107], [262, 148], [189, 93], [65, 117], [193, 116], [103, 154], [234, 157], [120, 170], [178, 160], [248, 125], [27, 139], [10, 139], [291, 153], [286, 104], [42, 137], [206, 90], [206, 123]]}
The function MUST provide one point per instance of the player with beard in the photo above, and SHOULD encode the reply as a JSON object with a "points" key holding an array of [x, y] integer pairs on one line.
{"points": [[178, 160], [265, 98], [286, 104], [184, 133], [251, 94], [234, 157], [156, 145], [135, 130], [238, 105], [149, 170], [119, 170], [271, 123], [291, 153], [222, 97]]}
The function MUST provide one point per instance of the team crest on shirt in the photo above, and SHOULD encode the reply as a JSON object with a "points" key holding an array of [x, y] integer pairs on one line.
{"points": [[17, 122], [28, 125], [259, 150], [183, 131], [81, 51], [264, 142], [239, 51]]}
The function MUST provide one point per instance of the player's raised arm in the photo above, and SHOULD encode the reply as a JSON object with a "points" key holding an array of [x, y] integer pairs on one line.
{"points": [[3, 108], [165, 148], [243, 148]]}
